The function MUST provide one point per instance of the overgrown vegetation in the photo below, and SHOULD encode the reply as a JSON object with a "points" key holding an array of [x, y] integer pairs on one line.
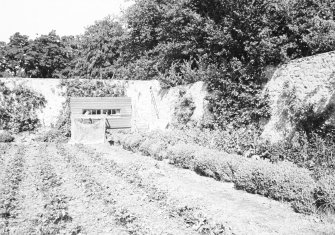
{"points": [[18, 107], [183, 111]]}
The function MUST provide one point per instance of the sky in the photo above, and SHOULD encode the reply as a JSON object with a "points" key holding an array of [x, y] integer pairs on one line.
{"points": [[67, 17]]}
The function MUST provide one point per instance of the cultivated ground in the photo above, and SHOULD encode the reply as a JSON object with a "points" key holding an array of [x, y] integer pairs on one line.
{"points": [[74, 189]]}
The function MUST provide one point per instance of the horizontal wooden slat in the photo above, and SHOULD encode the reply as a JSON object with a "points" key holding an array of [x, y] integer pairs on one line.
{"points": [[77, 104], [100, 98], [101, 106], [122, 122]]}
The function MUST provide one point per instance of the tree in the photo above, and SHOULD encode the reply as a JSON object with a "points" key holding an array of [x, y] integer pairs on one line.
{"points": [[98, 49], [46, 57], [161, 34], [13, 54], [227, 43]]}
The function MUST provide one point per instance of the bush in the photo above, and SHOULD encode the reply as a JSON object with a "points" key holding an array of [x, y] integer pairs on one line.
{"points": [[132, 142], [6, 137], [118, 137], [18, 107], [157, 149], [283, 181], [145, 145], [325, 194], [218, 165], [182, 155]]}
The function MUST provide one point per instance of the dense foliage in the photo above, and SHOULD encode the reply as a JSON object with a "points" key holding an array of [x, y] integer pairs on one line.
{"points": [[183, 111], [45, 57], [97, 50], [18, 107], [229, 44]]}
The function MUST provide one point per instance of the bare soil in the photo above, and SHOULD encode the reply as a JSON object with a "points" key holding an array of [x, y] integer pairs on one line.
{"points": [[48, 188]]}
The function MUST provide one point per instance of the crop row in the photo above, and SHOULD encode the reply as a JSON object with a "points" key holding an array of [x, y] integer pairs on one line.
{"points": [[96, 190], [9, 197], [282, 181], [55, 216], [191, 214]]}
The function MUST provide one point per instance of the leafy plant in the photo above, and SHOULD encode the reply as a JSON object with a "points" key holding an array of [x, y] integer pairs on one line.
{"points": [[325, 194], [183, 111], [19, 108]]}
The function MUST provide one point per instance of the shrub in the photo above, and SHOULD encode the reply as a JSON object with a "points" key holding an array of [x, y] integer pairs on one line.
{"points": [[182, 155], [145, 145], [157, 149], [215, 164], [282, 181], [132, 142], [119, 137], [325, 194], [6, 137], [18, 107]]}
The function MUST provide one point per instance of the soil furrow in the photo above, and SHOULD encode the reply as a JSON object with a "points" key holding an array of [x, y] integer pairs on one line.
{"points": [[54, 218], [186, 207], [129, 199], [95, 190], [219, 202], [29, 198], [90, 214]]}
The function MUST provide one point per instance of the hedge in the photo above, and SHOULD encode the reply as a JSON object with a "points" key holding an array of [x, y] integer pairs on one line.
{"points": [[283, 181]]}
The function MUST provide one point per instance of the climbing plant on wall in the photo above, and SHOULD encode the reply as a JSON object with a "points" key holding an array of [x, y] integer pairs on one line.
{"points": [[18, 108]]}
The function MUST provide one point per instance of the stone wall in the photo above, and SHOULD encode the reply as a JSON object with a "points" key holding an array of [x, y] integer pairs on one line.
{"points": [[304, 83], [152, 106], [50, 89]]}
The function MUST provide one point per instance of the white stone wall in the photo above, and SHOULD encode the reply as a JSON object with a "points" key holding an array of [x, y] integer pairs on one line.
{"points": [[144, 114], [313, 79]]}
